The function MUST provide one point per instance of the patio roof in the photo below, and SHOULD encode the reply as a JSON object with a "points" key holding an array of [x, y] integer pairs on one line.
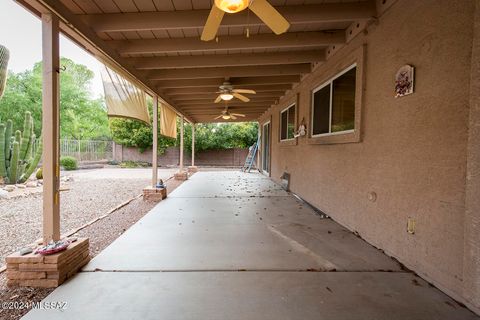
{"points": [[158, 44]]}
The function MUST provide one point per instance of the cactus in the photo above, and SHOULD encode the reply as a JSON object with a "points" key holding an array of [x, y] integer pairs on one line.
{"points": [[17, 162], [3, 168], [4, 56], [12, 174]]}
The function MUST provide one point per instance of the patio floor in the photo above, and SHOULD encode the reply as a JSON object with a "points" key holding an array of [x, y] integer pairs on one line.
{"points": [[228, 245]]}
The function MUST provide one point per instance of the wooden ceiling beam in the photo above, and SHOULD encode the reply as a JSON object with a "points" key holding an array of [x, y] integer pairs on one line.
{"points": [[214, 88], [314, 13], [224, 60], [191, 83], [225, 72], [311, 39]]}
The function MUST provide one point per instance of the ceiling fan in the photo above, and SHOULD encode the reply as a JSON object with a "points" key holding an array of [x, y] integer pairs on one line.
{"points": [[226, 115], [226, 93], [264, 10]]}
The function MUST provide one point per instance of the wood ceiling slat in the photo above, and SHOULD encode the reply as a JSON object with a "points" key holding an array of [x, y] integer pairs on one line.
{"points": [[161, 34], [182, 4], [163, 5], [73, 7], [126, 6], [108, 6], [116, 35], [201, 4], [88, 6], [145, 5]]}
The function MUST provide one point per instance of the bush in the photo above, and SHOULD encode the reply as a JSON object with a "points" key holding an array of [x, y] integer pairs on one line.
{"points": [[68, 163], [39, 174], [134, 164]]}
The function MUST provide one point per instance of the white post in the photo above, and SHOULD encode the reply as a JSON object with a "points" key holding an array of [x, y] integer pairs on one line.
{"points": [[181, 143], [193, 144], [155, 142], [50, 125]]}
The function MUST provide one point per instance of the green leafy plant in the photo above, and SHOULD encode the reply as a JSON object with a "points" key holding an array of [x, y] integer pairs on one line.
{"points": [[17, 160], [69, 163]]}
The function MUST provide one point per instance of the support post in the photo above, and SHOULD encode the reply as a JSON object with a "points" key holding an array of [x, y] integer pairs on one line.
{"points": [[181, 174], [181, 143], [193, 144], [155, 142], [50, 127], [193, 168]]}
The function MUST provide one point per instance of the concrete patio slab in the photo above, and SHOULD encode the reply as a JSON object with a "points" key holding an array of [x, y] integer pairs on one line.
{"points": [[251, 295], [228, 184], [273, 233], [213, 250]]}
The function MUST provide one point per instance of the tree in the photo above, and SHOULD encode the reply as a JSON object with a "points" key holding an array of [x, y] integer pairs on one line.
{"points": [[81, 117], [135, 133]]}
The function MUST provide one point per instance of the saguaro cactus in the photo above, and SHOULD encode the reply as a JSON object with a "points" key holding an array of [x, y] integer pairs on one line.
{"points": [[17, 162], [4, 56]]}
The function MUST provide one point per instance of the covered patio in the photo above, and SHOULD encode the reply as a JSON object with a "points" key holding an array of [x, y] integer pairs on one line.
{"points": [[231, 245], [394, 161]]}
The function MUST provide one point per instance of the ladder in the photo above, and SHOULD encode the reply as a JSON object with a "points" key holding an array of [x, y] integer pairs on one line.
{"points": [[252, 152]]}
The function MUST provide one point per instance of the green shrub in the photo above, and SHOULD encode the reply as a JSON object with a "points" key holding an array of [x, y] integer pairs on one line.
{"points": [[133, 164], [39, 174], [68, 163]]}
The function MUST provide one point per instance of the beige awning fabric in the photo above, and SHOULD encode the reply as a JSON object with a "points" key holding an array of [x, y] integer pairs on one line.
{"points": [[168, 122], [123, 99]]}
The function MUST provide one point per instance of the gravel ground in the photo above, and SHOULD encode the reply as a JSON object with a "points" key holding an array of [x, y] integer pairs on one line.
{"points": [[91, 194], [100, 234]]}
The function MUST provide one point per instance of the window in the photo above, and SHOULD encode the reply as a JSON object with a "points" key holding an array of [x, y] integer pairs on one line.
{"points": [[287, 123], [333, 105]]}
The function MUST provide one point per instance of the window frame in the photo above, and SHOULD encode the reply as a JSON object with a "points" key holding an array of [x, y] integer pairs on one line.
{"points": [[329, 82], [294, 105]]}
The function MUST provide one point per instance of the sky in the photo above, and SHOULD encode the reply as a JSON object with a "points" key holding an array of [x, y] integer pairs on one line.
{"points": [[25, 44]]}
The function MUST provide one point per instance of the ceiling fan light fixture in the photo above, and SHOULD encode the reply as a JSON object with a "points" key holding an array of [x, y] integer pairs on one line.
{"points": [[232, 6], [226, 116], [226, 96]]}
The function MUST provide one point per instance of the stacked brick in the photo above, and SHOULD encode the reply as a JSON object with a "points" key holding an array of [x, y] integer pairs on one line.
{"points": [[34, 270], [154, 194]]}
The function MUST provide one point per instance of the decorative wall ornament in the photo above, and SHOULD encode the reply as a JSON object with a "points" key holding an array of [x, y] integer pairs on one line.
{"points": [[404, 79], [302, 129]]}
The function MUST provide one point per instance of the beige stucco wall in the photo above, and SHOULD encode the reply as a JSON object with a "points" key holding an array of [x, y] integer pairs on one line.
{"points": [[413, 150]]}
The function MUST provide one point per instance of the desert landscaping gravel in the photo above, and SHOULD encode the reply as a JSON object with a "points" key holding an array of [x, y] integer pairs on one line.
{"points": [[100, 233]]}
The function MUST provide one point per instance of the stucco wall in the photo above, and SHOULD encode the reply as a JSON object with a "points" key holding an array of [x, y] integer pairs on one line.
{"points": [[413, 150]]}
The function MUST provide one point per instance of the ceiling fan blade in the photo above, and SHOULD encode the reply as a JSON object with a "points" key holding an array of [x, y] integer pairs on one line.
{"points": [[244, 91], [217, 117], [232, 117], [213, 23], [237, 114], [219, 98], [270, 16], [241, 97]]}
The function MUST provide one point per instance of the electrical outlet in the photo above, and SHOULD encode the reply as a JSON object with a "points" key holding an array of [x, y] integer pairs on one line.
{"points": [[411, 225]]}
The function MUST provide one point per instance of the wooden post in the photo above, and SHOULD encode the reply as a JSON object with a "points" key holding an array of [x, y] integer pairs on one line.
{"points": [[181, 143], [155, 142], [50, 128], [193, 144]]}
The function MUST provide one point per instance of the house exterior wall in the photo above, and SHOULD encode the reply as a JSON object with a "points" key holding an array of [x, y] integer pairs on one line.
{"points": [[412, 151]]}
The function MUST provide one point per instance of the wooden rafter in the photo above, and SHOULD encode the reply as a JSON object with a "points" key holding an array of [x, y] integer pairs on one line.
{"points": [[315, 13], [223, 60], [311, 39]]}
